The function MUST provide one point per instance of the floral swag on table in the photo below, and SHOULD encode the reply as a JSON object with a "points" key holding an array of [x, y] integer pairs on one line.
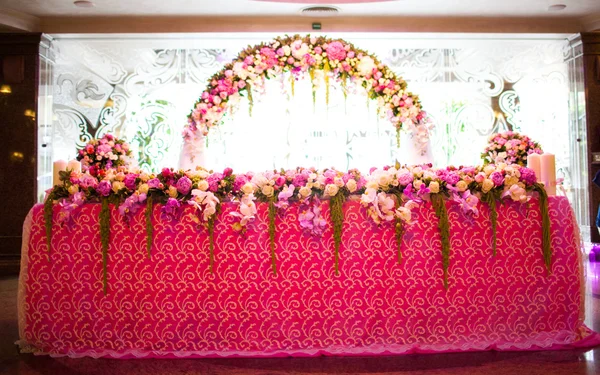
{"points": [[388, 194], [323, 59]]}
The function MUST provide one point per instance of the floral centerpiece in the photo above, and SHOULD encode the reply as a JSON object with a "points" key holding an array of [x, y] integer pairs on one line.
{"points": [[389, 194], [510, 147], [104, 153], [321, 58]]}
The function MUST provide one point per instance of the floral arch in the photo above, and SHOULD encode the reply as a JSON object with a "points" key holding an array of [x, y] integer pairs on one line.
{"points": [[320, 57]]}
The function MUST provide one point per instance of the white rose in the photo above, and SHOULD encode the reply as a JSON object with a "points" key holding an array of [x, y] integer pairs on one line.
{"points": [[487, 185], [238, 70], [73, 189], [305, 191], [429, 174], [203, 185], [202, 174], [461, 186], [365, 66], [372, 185], [144, 177], [511, 180], [403, 214], [417, 184], [331, 190], [489, 169], [173, 191], [338, 182], [434, 187], [117, 185], [299, 49], [287, 50], [351, 185], [268, 190], [248, 188], [384, 179], [143, 189]]}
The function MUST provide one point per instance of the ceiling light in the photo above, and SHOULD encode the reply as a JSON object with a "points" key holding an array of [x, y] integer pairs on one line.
{"points": [[84, 4], [556, 7], [322, 11]]}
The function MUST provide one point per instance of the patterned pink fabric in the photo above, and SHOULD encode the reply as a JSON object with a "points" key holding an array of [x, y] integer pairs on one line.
{"points": [[171, 305]]}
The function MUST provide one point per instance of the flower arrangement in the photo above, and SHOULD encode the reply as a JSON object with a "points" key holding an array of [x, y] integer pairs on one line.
{"points": [[509, 147], [106, 152], [324, 59], [389, 194]]}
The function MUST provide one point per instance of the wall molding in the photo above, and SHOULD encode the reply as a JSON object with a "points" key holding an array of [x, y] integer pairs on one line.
{"points": [[186, 24], [19, 21]]}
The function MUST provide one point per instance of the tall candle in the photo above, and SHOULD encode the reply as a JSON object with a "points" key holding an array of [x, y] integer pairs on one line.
{"points": [[57, 166], [74, 165], [534, 162], [548, 175]]}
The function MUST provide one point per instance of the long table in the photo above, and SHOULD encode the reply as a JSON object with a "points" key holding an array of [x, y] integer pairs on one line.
{"points": [[170, 304]]}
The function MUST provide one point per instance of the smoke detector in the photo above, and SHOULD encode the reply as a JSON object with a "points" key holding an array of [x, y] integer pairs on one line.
{"points": [[320, 11]]}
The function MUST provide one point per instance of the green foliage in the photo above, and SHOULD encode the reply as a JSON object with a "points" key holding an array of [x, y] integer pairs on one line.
{"points": [[490, 200], [105, 238], [48, 208], [546, 240], [444, 226], [210, 225], [399, 228], [336, 209], [272, 215], [149, 226]]}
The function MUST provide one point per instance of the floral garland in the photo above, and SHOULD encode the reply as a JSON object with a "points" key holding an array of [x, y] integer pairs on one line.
{"points": [[323, 59], [510, 147], [388, 194]]}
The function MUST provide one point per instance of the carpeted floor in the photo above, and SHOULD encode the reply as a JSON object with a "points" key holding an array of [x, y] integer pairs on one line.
{"points": [[488, 363]]}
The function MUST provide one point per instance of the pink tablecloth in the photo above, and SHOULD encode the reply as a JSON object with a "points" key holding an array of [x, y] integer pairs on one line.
{"points": [[171, 305]]}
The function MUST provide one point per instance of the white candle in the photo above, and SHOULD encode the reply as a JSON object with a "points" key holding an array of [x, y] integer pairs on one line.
{"points": [[534, 162], [74, 165], [57, 166], [548, 175]]}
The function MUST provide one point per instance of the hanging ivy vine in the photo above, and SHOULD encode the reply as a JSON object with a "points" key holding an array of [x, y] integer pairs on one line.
{"points": [[546, 240], [272, 216], [149, 226], [104, 238], [490, 200], [444, 226], [336, 209]]}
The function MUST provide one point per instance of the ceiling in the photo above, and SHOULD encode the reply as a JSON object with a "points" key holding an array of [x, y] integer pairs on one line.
{"points": [[45, 8], [49, 13]]}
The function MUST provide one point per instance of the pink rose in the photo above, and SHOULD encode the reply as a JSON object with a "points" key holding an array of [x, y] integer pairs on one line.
{"points": [[336, 51]]}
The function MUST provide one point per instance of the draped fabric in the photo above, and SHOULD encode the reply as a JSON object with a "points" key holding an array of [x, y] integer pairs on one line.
{"points": [[172, 305]]}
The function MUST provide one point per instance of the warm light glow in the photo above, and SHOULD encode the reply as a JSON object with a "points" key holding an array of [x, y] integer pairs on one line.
{"points": [[17, 156], [29, 113], [5, 89]]}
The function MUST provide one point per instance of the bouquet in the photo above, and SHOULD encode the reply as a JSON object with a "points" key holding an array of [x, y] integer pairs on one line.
{"points": [[104, 153], [510, 148]]}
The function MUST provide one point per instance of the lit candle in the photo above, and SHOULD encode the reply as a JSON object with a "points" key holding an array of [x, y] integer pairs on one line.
{"points": [[58, 166], [74, 165], [548, 175], [533, 162]]}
